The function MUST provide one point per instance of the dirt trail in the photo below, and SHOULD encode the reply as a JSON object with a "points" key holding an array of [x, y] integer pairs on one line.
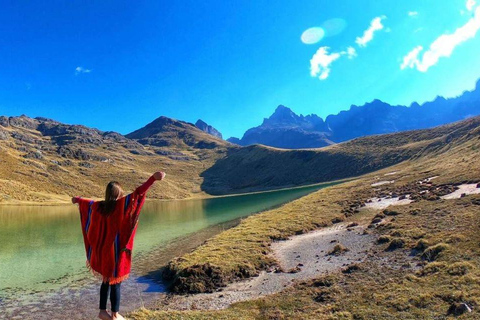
{"points": [[308, 251]]}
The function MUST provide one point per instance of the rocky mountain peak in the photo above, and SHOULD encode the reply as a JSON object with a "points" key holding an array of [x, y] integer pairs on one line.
{"points": [[205, 127]]}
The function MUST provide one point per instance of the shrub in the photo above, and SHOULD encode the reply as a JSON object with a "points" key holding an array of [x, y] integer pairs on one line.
{"points": [[432, 252], [396, 244]]}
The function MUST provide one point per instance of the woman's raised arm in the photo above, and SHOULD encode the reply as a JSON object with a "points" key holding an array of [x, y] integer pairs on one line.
{"points": [[157, 176]]}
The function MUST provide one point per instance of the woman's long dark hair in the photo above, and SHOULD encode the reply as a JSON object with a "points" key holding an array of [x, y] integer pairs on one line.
{"points": [[113, 192]]}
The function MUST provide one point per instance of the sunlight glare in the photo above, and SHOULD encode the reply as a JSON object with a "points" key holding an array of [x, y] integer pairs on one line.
{"points": [[312, 35]]}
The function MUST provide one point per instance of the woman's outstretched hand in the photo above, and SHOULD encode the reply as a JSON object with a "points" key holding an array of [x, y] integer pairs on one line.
{"points": [[160, 175]]}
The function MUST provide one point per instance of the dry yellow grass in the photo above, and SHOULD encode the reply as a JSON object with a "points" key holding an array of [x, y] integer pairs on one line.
{"points": [[436, 270]]}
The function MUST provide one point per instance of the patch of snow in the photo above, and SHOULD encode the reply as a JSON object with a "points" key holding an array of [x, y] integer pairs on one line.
{"points": [[427, 180], [381, 183], [463, 189], [382, 203], [391, 173]]}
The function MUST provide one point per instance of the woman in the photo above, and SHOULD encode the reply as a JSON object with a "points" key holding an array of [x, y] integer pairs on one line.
{"points": [[108, 229]]}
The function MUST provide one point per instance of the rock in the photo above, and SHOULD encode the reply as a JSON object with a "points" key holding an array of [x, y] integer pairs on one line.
{"points": [[278, 270], [36, 154], [86, 164], [337, 220], [351, 268], [337, 250], [4, 121], [4, 135], [295, 270], [353, 224], [376, 220], [457, 309], [388, 212]]}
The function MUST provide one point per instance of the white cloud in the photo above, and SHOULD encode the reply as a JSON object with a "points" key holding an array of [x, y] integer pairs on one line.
{"points": [[322, 59], [79, 70], [320, 63], [411, 58], [415, 13], [443, 46], [470, 4], [351, 52], [375, 25]]}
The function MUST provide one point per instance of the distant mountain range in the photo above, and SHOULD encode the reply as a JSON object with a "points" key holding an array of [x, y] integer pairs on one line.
{"points": [[285, 129]]}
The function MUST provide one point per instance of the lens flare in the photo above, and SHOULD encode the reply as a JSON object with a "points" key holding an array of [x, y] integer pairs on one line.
{"points": [[312, 35], [335, 26]]}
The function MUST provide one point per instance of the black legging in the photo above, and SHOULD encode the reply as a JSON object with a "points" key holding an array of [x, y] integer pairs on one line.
{"points": [[114, 296]]}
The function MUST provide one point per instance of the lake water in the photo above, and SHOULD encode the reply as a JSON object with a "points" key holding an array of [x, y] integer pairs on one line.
{"points": [[42, 247]]}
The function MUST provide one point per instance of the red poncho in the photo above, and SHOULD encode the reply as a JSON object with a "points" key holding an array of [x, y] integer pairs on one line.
{"points": [[109, 238]]}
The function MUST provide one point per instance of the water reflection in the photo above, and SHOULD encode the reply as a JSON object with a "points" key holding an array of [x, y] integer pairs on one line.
{"points": [[42, 246]]}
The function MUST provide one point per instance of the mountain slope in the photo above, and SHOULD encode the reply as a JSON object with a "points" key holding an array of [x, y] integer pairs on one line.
{"points": [[46, 161], [285, 129], [258, 167], [167, 132]]}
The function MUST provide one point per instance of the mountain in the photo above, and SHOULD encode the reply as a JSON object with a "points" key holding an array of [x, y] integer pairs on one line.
{"points": [[257, 167], [45, 161], [202, 125], [167, 132], [285, 129]]}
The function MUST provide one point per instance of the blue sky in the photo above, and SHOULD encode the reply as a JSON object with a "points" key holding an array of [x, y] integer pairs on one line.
{"points": [[117, 65]]}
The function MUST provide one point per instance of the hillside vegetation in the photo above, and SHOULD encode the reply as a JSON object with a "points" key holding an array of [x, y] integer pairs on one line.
{"points": [[44, 161], [424, 265], [259, 167]]}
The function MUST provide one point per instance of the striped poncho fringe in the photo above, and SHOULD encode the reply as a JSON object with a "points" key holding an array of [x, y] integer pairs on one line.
{"points": [[109, 238]]}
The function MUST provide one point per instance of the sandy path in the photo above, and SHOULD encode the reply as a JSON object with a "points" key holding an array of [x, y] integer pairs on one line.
{"points": [[308, 249]]}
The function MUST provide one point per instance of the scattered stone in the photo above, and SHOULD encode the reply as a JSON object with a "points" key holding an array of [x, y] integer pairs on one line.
{"points": [[337, 250], [353, 224], [337, 220], [351, 268], [457, 309], [376, 220], [295, 270], [279, 269], [388, 212]]}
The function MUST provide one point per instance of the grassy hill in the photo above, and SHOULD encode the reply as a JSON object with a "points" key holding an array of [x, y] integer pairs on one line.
{"points": [[259, 167], [44, 161], [424, 263]]}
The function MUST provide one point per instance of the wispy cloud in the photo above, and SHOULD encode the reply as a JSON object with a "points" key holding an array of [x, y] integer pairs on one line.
{"points": [[413, 13], [351, 52], [375, 25], [443, 46], [79, 70], [321, 61]]}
